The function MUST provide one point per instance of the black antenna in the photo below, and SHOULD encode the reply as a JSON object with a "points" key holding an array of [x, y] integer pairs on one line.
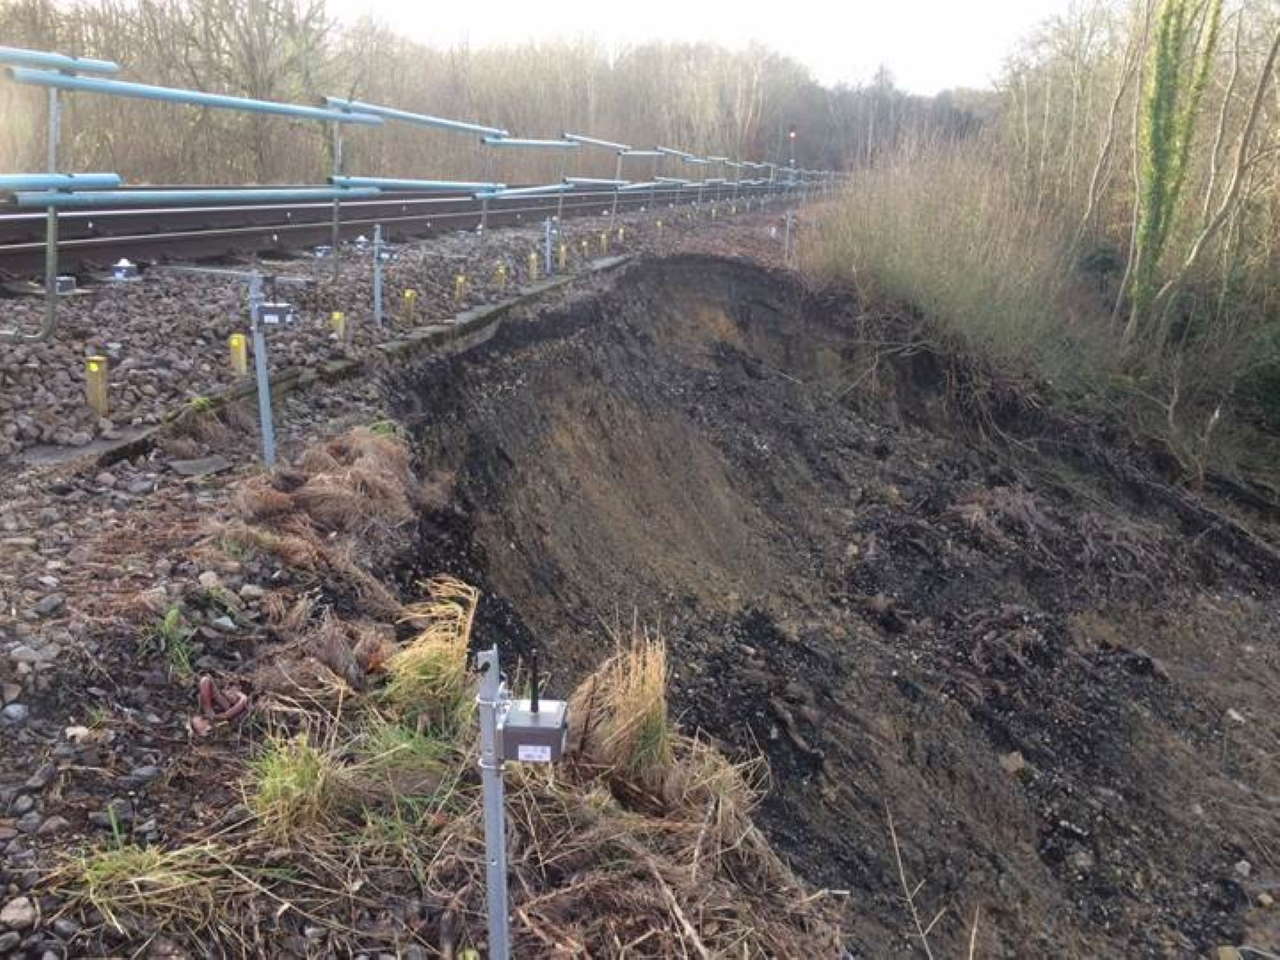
{"points": [[533, 682]]}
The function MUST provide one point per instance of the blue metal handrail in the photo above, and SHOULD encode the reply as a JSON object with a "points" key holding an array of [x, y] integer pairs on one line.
{"points": [[177, 198], [145, 91], [593, 142], [534, 144], [11, 182], [18, 57], [522, 191], [421, 119], [397, 183]]}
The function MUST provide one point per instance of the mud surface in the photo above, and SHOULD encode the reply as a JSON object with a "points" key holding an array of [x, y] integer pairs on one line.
{"points": [[1059, 682]]}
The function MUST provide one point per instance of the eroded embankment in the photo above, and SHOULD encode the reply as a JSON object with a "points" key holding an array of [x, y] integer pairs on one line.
{"points": [[1060, 690]]}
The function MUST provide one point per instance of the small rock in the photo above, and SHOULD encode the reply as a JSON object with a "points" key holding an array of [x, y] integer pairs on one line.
{"points": [[251, 591], [105, 479], [18, 914], [10, 692], [9, 940], [29, 822], [53, 825], [14, 714], [147, 827], [1013, 763], [117, 813], [80, 735], [49, 605], [201, 467], [209, 579], [139, 776], [223, 623], [1244, 868], [1236, 716], [22, 804], [24, 653], [1266, 900], [1227, 953], [66, 927], [139, 487], [162, 948], [41, 778]]}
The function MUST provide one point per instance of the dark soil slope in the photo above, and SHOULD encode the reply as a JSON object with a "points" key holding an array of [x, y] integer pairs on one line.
{"points": [[1059, 681]]}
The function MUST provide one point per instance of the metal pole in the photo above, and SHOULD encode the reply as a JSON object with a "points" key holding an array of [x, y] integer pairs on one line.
{"points": [[260, 370], [489, 701], [549, 271], [337, 172], [377, 274], [786, 241], [484, 201], [564, 162], [617, 175], [51, 223]]}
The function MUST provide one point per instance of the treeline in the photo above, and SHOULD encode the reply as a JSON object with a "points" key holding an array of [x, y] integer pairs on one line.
{"points": [[699, 97], [1117, 227]]}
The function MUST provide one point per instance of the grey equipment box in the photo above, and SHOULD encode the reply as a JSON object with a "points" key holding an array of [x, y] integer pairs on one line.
{"points": [[529, 737], [274, 314]]}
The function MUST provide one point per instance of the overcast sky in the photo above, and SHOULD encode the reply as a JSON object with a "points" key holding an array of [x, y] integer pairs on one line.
{"points": [[929, 45]]}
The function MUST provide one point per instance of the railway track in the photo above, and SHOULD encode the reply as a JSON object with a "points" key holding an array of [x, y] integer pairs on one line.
{"points": [[95, 238]]}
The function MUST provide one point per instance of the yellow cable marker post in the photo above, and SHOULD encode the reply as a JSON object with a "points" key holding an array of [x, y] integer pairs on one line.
{"points": [[659, 229], [563, 256], [500, 276], [459, 287], [604, 241], [338, 321], [95, 384], [239, 354], [533, 265], [586, 248], [622, 232], [410, 303]]}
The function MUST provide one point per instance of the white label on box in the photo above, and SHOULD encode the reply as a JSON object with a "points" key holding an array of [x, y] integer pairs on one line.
{"points": [[533, 753]]}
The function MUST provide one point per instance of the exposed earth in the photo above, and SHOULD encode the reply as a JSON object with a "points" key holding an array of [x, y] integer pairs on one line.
{"points": [[1039, 675]]}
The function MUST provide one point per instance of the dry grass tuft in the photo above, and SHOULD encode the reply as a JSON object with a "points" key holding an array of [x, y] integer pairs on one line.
{"points": [[627, 696], [151, 888], [295, 785], [318, 459], [257, 500], [428, 680]]}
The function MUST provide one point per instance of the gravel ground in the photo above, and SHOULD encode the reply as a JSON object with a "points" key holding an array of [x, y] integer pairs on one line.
{"points": [[166, 336]]}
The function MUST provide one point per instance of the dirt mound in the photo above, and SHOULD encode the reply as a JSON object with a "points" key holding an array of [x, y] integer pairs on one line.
{"points": [[1054, 675]]}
